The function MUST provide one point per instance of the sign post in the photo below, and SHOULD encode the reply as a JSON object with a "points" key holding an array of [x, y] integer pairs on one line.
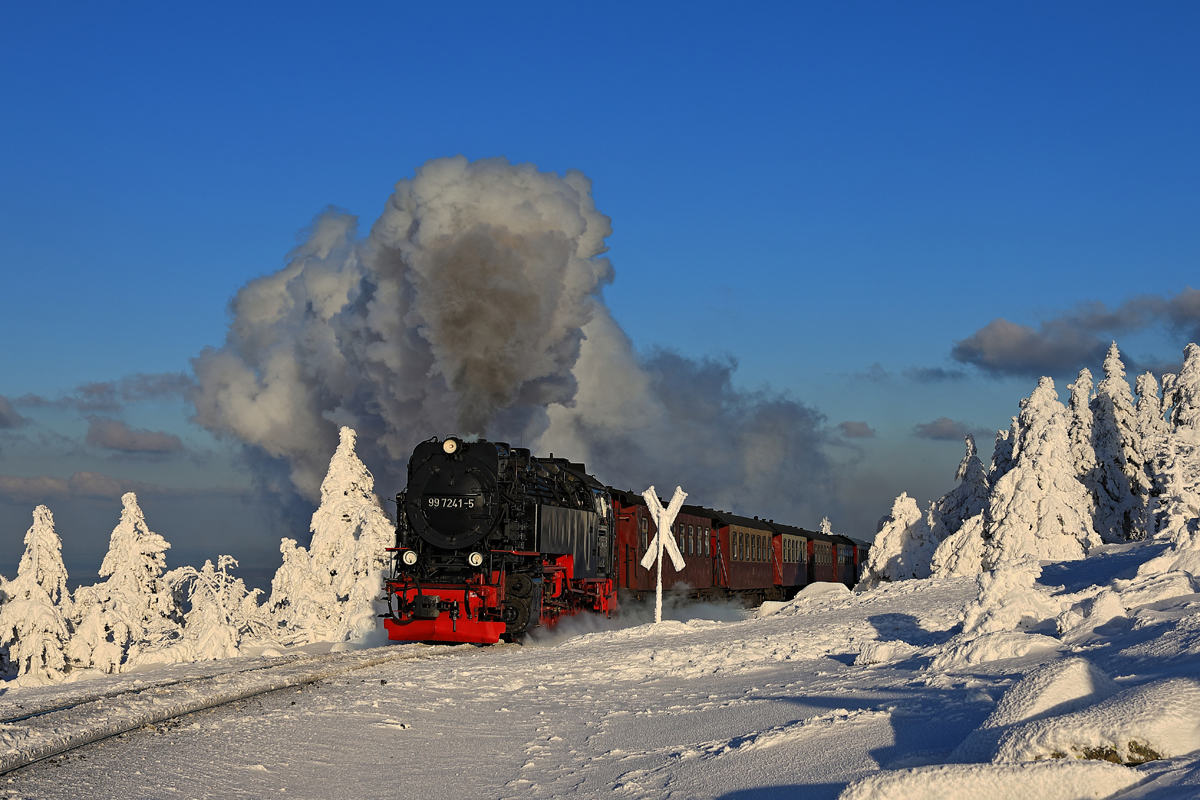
{"points": [[663, 518]]}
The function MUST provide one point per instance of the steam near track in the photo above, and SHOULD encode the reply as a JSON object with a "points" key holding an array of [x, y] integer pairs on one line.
{"points": [[474, 305]]}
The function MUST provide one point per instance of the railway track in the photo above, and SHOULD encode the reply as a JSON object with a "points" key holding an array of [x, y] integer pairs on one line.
{"points": [[49, 727]]}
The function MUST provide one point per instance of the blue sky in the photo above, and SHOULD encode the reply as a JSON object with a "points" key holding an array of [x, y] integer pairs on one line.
{"points": [[811, 189]]}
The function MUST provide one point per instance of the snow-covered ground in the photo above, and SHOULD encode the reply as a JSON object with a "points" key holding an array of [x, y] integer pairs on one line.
{"points": [[879, 692]]}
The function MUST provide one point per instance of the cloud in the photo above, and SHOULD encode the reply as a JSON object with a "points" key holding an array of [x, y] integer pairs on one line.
{"points": [[92, 485], [1077, 338], [9, 418], [33, 490], [113, 395], [946, 429], [474, 305], [856, 430], [875, 372], [113, 434], [934, 374]]}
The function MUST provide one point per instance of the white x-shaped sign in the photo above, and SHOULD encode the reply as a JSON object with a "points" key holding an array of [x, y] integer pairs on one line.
{"points": [[663, 518]]}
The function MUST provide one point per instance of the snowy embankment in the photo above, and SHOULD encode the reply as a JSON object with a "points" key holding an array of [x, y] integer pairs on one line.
{"points": [[52, 723], [871, 695]]}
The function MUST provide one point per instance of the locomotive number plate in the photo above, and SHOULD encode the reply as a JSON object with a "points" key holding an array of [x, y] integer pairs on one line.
{"points": [[450, 502]]}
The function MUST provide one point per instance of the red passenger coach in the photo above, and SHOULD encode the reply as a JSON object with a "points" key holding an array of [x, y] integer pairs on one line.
{"points": [[847, 563], [635, 530], [822, 563], [746, 554], [791, 557]]}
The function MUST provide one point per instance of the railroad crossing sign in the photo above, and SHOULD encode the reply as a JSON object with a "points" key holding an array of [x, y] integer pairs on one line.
{"points": [[663, 518]]}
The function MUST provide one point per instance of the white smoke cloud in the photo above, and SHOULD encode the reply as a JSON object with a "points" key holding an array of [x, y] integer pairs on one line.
{"points": [[474, 306]]}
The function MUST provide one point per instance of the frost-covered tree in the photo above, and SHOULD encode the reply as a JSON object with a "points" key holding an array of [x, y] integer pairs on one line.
{"points": [[1185, 391], [333, 588], [970, 496], [1151, 421], [134, 610], [33, 622], [1080, 424], [301, 601], [905, 543], [1177, 463], [961, 553], [1154, 433], [1118, 483], [908, 542], [1002, 452], [1039, 507], [222, 613], [962, 514]]}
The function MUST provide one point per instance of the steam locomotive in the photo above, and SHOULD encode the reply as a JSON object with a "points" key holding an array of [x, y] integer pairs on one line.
{"points": [[492, 541]]}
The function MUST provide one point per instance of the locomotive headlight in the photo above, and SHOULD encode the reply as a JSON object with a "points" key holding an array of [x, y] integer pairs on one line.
{"points": [[409, 557], [450, 446], [475, 559]]}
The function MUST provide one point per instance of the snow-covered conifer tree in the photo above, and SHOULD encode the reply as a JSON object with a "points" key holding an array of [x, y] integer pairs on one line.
{"points": [[1149, 410], [1039, 508], [222, 612], [1177, 464], [1079, 427], [1154, 433], [346, 558], [1185, 391], [904, 546], [961, 553], [1119, 485], [962, 513], [301, 602], [1002, 452], [33, 622], [970, 496], [134, 609]]}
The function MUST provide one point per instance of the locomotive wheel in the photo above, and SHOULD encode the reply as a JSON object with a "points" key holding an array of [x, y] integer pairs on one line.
{"points": [[519, 585], [516, 616]]}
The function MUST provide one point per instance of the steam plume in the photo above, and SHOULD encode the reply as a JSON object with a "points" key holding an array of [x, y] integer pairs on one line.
{"points": [[474, 306]]}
